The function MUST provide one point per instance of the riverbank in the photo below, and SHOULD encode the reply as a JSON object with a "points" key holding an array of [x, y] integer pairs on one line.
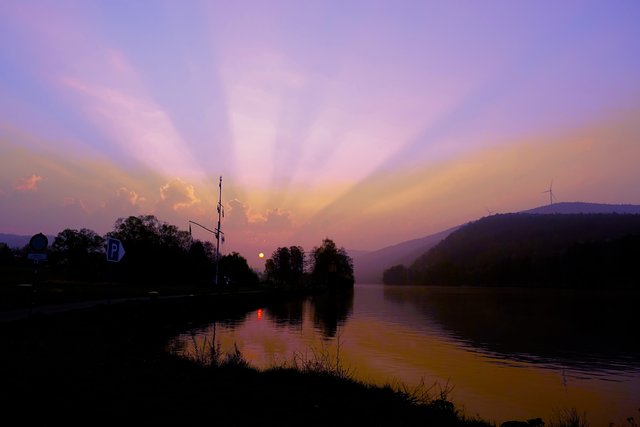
{"points": [[109, 365]]}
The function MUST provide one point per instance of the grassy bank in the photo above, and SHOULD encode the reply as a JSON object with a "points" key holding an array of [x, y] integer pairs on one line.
{"points": [[109, 365]]}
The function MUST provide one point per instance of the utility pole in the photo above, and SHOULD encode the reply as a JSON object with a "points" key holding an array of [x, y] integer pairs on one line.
{"points": [[218, 230]]}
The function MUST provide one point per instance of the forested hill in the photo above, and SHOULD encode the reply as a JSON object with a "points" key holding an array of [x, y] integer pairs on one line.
{"points": [[370, 266], [584, 208], [569, 250]]}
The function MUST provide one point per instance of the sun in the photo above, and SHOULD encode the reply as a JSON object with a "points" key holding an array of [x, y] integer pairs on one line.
{"points": [[261, 255]]}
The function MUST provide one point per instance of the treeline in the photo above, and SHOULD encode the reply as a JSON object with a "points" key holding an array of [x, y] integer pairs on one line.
{"points": [[156, 252], [327, 266], [568, 250]]}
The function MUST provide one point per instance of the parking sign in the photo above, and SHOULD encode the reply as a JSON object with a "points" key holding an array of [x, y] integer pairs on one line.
{"points": [[115, 250]]}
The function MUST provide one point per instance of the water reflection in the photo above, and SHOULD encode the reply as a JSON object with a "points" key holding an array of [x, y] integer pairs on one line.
{"points": [[509, 354], [586, 330], [328, 311]]}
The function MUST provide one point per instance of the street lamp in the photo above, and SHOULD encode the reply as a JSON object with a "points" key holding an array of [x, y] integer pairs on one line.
{"points": [[217, 232], [214, 233], [218, 229]]}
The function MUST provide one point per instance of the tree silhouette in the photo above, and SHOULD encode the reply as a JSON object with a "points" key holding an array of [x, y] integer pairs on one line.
{"points": [[396, 275], [296, 254], [235, 270], [6, 255], [78, 253], [155, 251], [201, 262], [332, 266], [278, 267], [286, 267]]}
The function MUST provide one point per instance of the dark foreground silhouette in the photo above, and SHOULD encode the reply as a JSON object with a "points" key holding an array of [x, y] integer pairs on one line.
{"points": [[109, 365]]}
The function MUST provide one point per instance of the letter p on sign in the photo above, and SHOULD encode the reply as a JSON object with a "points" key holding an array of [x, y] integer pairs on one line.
{"points": [[115, 250]]}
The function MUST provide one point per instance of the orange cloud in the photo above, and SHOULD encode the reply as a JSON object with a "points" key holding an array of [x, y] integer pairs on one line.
{"points": [[241, 216], [29, 183], [178, 194], [125, 201], [131, 196]]}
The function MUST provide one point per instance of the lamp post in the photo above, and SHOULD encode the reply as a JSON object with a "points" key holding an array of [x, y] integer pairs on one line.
{"points": [[216, 232], [218, 229]]}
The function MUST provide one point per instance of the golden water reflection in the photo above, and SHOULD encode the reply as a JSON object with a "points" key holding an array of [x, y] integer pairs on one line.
{"points": [[390, 340]]}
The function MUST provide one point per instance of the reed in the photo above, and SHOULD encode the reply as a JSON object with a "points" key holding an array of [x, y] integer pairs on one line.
{"points": [[568, 417]]}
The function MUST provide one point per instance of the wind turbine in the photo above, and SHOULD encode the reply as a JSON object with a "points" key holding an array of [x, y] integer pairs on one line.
{"points": [[550, 191]]}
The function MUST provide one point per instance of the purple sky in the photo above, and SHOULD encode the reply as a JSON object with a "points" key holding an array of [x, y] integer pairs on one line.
{"points": [[369, 122]]}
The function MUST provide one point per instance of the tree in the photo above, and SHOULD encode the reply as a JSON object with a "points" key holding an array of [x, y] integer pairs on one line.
{"points": [[270, 270], [286, 266], [396, 275], [278, 267], [6, 254], [297, 265], [155, 251], [201, 262], [139, 235], [78, 252], [235, 270], [137, 230], [332, 266], [72, 242], [171, 237]]}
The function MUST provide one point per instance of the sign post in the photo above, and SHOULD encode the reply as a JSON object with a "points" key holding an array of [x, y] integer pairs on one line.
{"points": [[37, 252], [38, 247], [115, 250]]}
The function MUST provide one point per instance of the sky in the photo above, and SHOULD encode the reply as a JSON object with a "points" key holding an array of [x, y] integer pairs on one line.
{"points": [[367, 122]]}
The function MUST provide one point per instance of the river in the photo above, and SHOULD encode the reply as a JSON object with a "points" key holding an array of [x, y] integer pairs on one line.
{"points": [[502, 353]]}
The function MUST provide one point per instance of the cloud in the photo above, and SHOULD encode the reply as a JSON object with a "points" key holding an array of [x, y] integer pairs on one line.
{"points": [[124, 201], [178, 194], [133, 198], [237, 214], [29, 183], [277, 219], [242, 216]]}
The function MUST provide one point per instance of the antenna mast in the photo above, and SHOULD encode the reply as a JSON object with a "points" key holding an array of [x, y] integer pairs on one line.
{"points": [[218, 230]]}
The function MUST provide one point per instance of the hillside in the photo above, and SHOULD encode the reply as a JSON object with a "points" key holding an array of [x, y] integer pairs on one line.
{"points": [[368, 267], [583, 250], [584, 208]]}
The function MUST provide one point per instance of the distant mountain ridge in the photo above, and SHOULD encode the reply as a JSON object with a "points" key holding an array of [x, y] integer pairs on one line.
{"points": [[524, 249], [584, 208], [369, 267]]}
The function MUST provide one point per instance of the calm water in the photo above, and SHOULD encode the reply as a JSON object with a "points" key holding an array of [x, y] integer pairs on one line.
{"points": [[508, 353]]}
